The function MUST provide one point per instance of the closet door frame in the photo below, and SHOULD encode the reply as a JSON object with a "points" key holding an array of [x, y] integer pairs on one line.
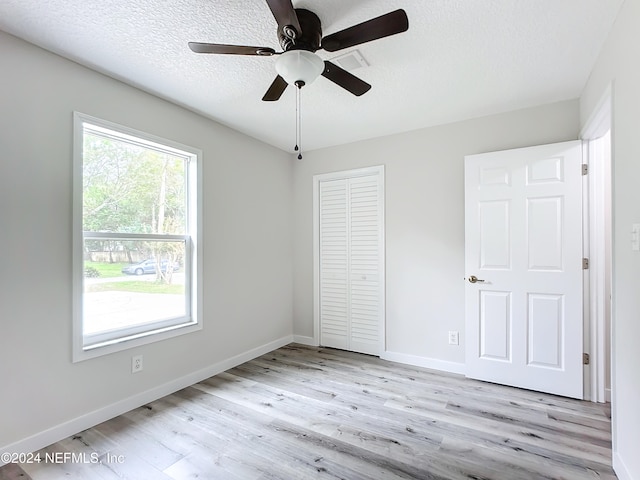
{"points": [[348, 174]]}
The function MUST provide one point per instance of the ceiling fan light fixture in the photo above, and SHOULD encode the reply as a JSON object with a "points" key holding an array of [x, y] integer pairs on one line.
{"points": [[299, 66]]}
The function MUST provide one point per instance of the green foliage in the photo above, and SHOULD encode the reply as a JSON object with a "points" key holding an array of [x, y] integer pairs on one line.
{"points": [[91, 272], [127, 187], [105, 270]]}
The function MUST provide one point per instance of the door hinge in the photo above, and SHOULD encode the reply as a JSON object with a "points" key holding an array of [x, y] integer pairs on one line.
{"points": [[585, 169], [585, 359], [585, 264]]}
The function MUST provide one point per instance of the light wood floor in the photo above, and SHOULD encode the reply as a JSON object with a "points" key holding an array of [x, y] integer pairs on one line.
{"points": [[313, 413]]}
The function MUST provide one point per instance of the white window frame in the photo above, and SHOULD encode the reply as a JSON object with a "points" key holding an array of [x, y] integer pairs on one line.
{"points": [[131, 337]]}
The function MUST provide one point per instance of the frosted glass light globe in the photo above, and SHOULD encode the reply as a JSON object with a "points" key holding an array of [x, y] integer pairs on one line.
{"points": [[299, 66]]}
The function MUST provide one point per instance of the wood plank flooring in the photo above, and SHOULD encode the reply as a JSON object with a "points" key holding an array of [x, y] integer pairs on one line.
{"points": [[315, 413]]}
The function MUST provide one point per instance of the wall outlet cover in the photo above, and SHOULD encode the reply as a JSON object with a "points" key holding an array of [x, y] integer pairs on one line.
{"points": [[136, 364]]}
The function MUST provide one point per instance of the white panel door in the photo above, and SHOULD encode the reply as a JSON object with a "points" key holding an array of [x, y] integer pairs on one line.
{"points": [[523, 261], [350, 262]]}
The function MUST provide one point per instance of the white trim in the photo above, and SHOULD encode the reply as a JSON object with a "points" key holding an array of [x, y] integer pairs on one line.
{"points": [[587, 314], [425, 362], [136, 340], [599, 121], [620, 468], [304, 340], [159, 237], [359, 172], [193, 241], [88, 420], [153, 141], [77, 262]]}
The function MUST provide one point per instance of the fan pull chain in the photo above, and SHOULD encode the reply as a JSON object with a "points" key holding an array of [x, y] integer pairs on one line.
{"points": [[298, 147]]}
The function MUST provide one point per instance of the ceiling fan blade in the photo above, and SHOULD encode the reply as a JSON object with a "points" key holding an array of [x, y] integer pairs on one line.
{"points": [[346, 80], [285, 15], [221, 49], [379, 27], [276, 90]]}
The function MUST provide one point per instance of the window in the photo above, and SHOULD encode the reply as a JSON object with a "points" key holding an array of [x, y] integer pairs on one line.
{"points": [[136, 244]]}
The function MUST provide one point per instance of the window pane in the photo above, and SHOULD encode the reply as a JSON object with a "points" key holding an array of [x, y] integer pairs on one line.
{"points": [[131, 188], [132, 283]]}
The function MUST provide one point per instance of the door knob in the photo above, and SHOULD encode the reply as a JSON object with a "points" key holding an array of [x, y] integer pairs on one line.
{"points": [[474, 279]]}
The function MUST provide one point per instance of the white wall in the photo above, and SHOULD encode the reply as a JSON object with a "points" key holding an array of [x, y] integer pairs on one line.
{"points": [[424, 222], [247, 245], [618, 64]]}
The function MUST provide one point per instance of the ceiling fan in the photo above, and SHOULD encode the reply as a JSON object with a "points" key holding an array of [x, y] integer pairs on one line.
{"points": [[300, 36]]}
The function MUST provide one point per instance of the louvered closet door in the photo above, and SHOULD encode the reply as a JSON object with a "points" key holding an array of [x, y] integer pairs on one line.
{"points": [[350, 261], [334, 264]]}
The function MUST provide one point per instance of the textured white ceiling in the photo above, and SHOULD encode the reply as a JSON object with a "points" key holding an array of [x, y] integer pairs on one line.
{"points": [[460, 58]]}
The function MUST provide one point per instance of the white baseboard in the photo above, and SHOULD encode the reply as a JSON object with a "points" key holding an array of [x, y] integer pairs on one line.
{"points": [[620, 468], [432, 363], [310, 341], [64, 430], [607, 395]]}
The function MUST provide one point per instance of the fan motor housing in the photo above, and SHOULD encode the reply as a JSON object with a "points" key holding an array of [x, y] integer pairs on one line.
{"points": [[311, 35]]}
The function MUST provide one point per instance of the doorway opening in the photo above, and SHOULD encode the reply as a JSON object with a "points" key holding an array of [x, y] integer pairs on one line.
{"points": [[598, 239]]}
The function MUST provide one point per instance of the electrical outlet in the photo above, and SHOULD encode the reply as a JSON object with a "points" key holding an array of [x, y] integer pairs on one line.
{"points": [[454, 338], [136, 364]]}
